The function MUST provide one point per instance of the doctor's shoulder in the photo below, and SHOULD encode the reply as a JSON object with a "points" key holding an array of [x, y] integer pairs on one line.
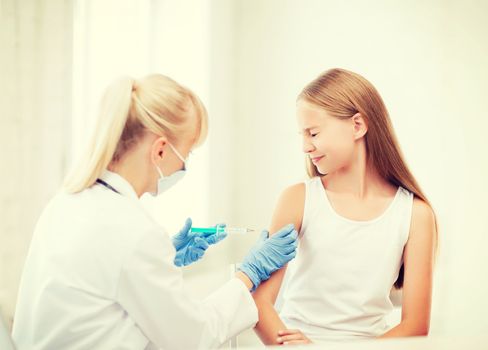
{"points": [[289, 208], [96, 206]]}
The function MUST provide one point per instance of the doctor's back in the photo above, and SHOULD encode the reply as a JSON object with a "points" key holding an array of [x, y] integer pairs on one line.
{"points": [[70, 288]]}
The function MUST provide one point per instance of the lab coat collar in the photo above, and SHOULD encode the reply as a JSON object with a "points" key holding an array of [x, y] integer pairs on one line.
{"points": [[119, 183]]}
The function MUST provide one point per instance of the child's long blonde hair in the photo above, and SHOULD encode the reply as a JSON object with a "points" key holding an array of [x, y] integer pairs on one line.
{"points": [[129, 108], [342, 94]]}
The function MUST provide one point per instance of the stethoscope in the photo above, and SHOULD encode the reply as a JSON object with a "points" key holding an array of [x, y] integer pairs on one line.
{"points": [[103, 183]]}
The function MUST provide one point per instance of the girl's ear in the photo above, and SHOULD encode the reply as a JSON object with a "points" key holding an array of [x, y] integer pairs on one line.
{"points": [[157, 149], [359, 125]]}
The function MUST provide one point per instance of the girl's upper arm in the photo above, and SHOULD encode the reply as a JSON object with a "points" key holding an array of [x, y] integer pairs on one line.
{"points": [[418, 263], [289, 210]]}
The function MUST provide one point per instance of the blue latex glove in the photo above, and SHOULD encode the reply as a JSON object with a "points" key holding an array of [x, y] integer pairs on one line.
{"points": [[190, 246], [217, 237], [270, 254]]}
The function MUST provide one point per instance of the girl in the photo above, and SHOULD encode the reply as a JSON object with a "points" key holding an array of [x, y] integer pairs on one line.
{"points": [[365, 225]]}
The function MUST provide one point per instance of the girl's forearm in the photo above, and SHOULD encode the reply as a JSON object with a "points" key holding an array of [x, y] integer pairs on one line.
{"points": [[407, 329], [269, 323], [243, 277]]}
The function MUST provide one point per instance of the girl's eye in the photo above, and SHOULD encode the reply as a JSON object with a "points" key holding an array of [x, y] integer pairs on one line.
{"points": [[313, 134]]}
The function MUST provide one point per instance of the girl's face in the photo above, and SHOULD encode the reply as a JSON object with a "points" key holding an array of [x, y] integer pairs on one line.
{"points": [[327, 140]]}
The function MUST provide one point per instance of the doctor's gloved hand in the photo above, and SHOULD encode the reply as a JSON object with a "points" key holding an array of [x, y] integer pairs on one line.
{"points": [[217, 237], [270, 254], [190, 246]]}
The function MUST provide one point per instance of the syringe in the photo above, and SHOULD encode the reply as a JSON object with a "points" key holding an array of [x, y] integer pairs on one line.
{"points": [[207, 231]]}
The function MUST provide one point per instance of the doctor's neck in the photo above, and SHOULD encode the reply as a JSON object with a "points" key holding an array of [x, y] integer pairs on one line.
{"points": [[135, 169]]}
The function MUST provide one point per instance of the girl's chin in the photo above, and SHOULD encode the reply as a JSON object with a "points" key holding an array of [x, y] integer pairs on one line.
{"points": [[321, 170]]}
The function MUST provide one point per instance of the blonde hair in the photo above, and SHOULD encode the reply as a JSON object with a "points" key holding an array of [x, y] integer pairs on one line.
{"points": [[342, 94], [129, 108]]}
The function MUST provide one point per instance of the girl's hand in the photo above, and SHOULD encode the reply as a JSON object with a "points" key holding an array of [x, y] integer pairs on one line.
{"points": [[292, 337]]}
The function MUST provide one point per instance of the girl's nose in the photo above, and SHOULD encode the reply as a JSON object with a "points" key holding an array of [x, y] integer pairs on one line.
{"points": [[307, 146]]}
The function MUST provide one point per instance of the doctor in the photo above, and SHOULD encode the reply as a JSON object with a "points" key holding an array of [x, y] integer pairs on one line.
{"points": [[100, 272]]}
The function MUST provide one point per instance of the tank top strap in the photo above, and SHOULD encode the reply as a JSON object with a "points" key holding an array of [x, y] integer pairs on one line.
{"points": [[403, 211], [313, 199]]}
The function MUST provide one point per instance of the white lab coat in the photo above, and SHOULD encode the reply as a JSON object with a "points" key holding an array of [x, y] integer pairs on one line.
{"points": [[100, 275]]}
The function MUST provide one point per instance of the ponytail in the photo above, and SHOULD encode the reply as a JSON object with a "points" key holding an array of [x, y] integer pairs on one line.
{"points": [[114, 111]]}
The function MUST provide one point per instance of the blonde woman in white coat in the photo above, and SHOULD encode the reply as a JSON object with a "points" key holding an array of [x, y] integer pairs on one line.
{"points": [[100, 272]]}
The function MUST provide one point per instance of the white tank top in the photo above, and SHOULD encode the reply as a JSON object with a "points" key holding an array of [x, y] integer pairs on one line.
{"points": [[338, 286]]}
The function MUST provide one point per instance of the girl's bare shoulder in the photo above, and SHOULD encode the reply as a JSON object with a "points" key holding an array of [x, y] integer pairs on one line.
{"points": [[290, 206], [422, 212], [295, 191], [423, 222]]}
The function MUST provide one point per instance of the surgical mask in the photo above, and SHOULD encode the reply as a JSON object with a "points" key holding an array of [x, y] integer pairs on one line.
{"points": [[165, 182]]}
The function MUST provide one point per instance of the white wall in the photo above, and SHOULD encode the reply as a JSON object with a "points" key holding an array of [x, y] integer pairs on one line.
{"points": [[35, 66]]}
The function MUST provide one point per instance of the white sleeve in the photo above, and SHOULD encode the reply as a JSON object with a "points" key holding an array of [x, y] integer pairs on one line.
{"points": [[151, 291]]}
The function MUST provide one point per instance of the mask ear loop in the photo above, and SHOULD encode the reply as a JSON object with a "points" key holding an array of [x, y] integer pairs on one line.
{"points": [[159, 171], [177, 153]]}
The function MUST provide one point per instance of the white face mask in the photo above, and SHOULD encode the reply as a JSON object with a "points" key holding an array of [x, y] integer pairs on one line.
{"points": [[165, 182]]}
